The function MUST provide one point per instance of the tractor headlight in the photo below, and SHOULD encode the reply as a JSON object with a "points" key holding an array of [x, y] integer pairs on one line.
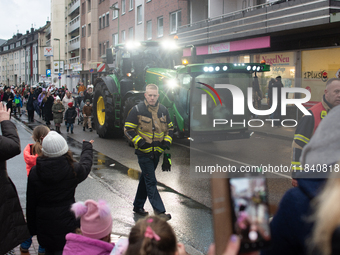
{"points": [[172, 83], [130, 45]]}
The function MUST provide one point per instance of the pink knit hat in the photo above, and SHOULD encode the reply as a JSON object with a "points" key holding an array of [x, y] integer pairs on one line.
{"points": [[95, 218]]}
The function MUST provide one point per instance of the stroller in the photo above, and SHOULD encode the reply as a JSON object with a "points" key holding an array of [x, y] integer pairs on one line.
{"points": [[80, 113]]}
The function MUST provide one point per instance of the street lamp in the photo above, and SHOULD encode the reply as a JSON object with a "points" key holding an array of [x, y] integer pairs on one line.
{"points": [[113, 7], [56, 39]]}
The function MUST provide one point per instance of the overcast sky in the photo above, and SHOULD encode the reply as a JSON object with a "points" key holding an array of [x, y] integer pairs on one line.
{"points": [[21, 14]]}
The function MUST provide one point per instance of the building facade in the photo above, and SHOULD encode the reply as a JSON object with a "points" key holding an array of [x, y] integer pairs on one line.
{"points": [[297, 38], [20, 60]]}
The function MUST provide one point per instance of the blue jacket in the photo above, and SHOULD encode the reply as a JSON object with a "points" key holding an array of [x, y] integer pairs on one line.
{"points": [[290, 227], [17, 101]]}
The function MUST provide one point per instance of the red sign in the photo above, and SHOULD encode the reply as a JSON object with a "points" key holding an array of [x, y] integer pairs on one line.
{"points": [[91, 70], [101, 67]]}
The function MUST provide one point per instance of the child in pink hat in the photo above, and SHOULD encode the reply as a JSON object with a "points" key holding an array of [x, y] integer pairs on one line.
{"points": [[95, 226]]}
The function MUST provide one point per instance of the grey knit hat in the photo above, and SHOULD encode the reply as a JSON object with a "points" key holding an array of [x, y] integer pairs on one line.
{"points": [[54, 145]]}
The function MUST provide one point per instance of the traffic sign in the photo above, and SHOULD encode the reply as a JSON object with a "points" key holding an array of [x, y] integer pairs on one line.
{"points": [[101, 67], [59, 77], [91, 70], [48, 72], [59, 74]]}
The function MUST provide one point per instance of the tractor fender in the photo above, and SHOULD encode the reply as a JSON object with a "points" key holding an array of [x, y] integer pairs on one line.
{"points": [[133, 93], [111, 83]]}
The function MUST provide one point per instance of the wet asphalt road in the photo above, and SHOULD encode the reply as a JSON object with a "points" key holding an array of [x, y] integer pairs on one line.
{"points": [[115, 175]]}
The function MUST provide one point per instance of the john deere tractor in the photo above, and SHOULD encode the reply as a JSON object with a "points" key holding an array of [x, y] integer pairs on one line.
{"points": [[181, 89]]}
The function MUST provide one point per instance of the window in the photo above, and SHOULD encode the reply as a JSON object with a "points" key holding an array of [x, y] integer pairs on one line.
{"points": [[148, 1], [149, 30], [115, 12], [88, 5], [139, 14], [89, 29], [83, 31], [123, 36], [131, 33], [104, 48], [100, 23], [131, 5], [160, 26], [107, 19], [123, 7], [103, 18], [100, 49], [115, 39], [89, 55], [83, 54], [83, 8], [175, 21]]}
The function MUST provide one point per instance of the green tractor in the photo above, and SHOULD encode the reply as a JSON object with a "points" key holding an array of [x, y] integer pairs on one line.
{"points": [[181, 87]]}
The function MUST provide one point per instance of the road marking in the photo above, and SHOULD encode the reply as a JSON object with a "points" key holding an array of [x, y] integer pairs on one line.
{"points": [[225, 158]]}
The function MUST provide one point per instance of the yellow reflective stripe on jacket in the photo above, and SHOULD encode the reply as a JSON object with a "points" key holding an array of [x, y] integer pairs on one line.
{"points": [[159, 149], [130, 125], [159, 135], [150, 135], [168, 139], [296, 165], [136, 139], [170, 125], [145, 150], [301, 138], [145, 133]]}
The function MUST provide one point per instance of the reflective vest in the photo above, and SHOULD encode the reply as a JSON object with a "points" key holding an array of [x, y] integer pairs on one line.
{"points": [[319, 112]]}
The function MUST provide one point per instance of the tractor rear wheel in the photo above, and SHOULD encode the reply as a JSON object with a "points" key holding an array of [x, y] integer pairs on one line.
{"points": [[104, 114]]}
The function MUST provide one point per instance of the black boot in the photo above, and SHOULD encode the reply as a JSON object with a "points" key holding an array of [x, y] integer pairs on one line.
{"points": [[83, 128]]}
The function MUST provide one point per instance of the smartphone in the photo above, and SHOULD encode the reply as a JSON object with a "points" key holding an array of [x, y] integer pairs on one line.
{"points": [[250, 212]]}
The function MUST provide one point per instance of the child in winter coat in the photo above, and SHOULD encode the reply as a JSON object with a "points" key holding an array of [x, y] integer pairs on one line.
{"points": [[70, 116], [50, 191], [17, 104], [96, 227], [31, 152], [87, 113]]}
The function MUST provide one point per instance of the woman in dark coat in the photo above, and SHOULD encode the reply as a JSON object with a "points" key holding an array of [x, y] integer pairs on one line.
{"points": [[30, 106], [47, 108], [58, 112], [50, 191], [13, 229]]}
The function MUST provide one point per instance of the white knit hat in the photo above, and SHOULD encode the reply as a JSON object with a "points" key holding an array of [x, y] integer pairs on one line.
{"points": [[54, 145]]}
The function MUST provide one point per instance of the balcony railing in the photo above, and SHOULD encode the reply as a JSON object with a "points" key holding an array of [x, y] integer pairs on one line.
{"points": [[74, 60], [74, 24], [73, 6], [74, 43], [257, 20]]}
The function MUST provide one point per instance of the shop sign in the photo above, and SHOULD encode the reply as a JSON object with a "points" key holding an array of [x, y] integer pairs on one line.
{"points": [[219, 48]]}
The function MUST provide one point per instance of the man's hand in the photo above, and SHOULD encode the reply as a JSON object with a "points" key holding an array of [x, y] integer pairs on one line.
{"points": [[4, 113], [294, 182]]}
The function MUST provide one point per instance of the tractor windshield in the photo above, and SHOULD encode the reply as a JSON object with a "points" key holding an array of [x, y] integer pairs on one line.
{"points": [[201, 85]]}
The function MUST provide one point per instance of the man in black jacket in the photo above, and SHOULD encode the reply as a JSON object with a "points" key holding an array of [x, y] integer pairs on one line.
{"points": [[149, 127]]}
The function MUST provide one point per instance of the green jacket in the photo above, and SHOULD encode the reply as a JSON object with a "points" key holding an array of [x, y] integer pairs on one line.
{"points": [[58, 116]]}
